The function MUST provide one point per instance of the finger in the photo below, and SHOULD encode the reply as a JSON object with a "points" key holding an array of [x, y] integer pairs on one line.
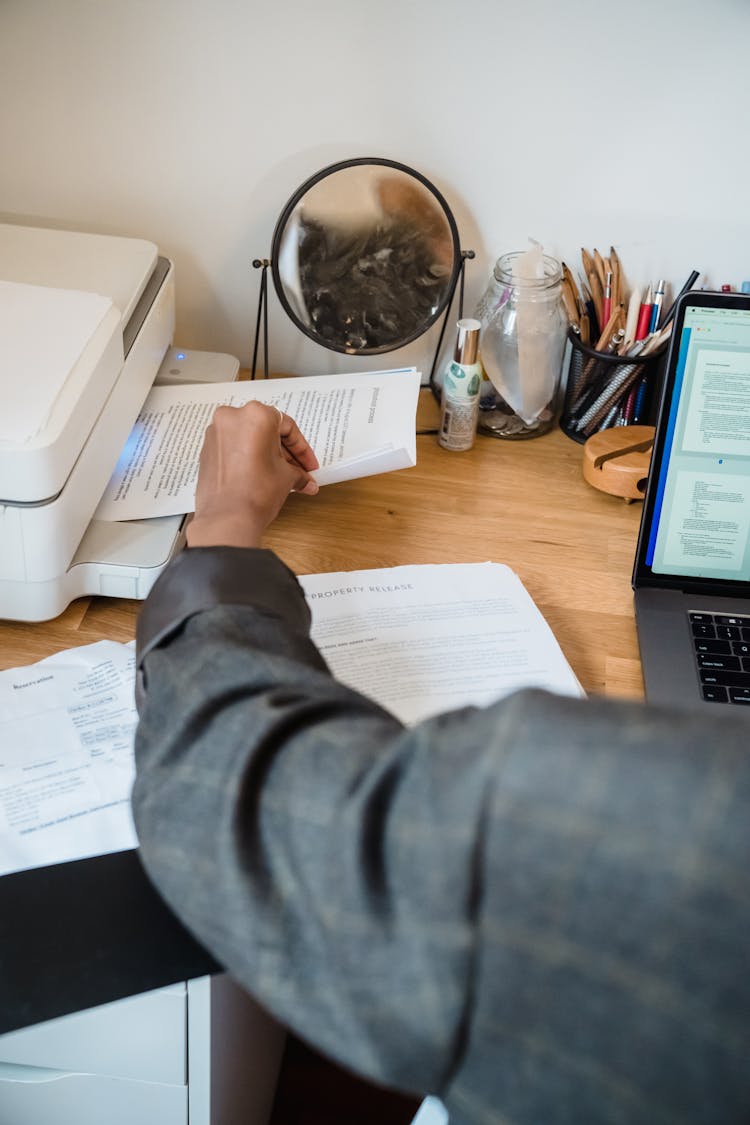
{"points": [[290, 460], [306, 485], [311, 488], [296, 443]]}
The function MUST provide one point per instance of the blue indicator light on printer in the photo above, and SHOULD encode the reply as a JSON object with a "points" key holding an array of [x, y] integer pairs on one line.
{"points": [[180, 355]]}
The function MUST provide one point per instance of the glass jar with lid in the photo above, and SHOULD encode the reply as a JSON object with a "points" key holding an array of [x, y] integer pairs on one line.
{"points": [[522, 344]]}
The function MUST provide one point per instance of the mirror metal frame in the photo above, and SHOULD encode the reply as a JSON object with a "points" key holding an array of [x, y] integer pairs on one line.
{"points": [[286, 214]]}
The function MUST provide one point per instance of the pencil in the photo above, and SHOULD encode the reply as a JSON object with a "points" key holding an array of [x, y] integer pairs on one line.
{"points": [[617, 286], [613, 323], [631, 321], [601, 268], [597, 296]]}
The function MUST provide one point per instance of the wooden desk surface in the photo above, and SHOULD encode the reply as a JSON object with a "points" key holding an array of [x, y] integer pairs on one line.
{"points": [[523, 503]]}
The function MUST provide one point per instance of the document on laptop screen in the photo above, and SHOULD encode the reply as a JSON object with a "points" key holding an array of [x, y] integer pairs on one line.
{"points": [[701, 525]]}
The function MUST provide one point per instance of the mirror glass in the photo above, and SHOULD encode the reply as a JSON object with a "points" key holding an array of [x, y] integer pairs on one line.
{"points": [[365, 256]]}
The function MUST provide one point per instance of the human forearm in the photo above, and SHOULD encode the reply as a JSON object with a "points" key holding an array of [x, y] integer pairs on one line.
{"points": [[260, 801]]}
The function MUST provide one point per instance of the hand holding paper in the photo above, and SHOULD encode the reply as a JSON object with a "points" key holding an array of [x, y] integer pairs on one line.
{"points": [[357, 425], [253, 456]]}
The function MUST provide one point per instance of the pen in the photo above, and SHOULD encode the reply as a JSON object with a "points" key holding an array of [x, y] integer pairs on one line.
{"points": [[656, 309], [685, 289], [644, 316], [616, 388], [611, 391], [628, 409], [640, 400], [610, 418], [620, 386], [594, 378]]}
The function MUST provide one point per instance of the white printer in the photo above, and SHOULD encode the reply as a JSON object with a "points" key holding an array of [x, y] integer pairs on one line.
{"points": [[60, 439]]}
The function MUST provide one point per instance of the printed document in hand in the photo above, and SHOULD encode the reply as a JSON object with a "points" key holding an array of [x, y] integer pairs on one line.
{"points": [[424, 639], [358, 425], [66, 756]]}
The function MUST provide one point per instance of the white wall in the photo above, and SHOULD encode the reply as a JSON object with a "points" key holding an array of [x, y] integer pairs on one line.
{"points": [[190, 122]]}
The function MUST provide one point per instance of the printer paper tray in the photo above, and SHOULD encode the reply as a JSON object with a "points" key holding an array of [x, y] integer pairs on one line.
{"points": [[116, 560], [124, 560]]}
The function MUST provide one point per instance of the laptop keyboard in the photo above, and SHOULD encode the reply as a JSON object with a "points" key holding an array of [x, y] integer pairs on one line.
{"points": [[722, 651]]}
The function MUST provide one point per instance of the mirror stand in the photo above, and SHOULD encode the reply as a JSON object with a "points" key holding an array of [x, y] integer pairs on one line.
{"points": [[261, 264]]}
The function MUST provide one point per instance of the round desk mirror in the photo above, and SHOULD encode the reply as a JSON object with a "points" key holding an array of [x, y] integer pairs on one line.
{"points": [[365, 256]]}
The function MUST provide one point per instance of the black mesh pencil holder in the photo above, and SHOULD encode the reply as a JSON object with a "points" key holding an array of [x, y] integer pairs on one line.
{"points": [[604, 390]]}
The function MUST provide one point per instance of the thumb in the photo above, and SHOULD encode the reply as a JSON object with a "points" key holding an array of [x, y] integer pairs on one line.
{"points": [[305, 484]]}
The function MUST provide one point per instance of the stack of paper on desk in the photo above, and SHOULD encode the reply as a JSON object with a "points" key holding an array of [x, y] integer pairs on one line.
{"points": [[417, 639], [358, 425], [66, 756]]}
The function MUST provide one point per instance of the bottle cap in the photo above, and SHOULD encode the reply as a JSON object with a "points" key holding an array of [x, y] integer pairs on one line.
{"points": [[467, 341]]}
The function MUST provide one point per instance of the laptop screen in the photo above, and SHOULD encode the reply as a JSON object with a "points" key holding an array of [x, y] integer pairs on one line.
{"points": [[696, 519]]}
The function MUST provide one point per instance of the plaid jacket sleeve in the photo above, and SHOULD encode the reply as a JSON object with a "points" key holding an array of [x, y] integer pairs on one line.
{"points": [[538, 910]]}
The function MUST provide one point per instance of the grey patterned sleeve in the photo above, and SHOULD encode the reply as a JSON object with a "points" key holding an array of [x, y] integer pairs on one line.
{"points": [[538, 910]]}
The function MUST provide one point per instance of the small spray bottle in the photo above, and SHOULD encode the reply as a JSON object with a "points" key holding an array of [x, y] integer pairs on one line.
{"points": [[461, 386]]}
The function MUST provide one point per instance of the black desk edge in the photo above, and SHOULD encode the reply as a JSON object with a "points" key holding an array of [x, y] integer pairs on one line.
{"points": [[76, 935]]}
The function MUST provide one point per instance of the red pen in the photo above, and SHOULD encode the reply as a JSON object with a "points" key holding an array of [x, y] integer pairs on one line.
{"points": [[644, 315]]}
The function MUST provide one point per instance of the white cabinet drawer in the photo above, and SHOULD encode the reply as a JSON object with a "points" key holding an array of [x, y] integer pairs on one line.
{"points": [[48, 1097], [142, 1037]]}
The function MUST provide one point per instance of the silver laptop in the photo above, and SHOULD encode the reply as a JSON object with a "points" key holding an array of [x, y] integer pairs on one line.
{"points": [[692, 566]]}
